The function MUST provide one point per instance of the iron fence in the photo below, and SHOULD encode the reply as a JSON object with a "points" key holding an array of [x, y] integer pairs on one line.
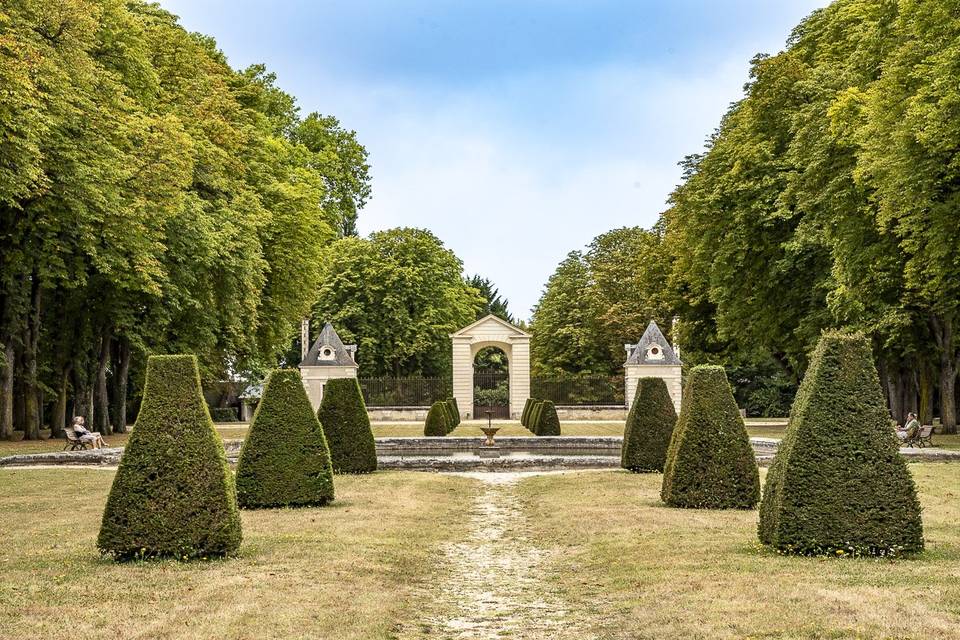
{"points": [[404, 392], [585, 390]]}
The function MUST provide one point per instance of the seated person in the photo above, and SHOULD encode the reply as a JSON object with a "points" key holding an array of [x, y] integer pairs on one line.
{"points": [[83, 435], [909, 430]]}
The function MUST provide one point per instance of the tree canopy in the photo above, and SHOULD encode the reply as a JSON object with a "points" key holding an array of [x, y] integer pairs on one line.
{"points": [[398, 294], [152, 199]]}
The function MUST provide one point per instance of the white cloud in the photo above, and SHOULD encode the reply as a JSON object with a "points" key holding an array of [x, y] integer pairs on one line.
{"points": [[513, 202]]}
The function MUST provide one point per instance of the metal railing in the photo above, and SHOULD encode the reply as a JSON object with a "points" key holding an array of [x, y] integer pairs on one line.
{"points": [[585, 390], [403, 392]]}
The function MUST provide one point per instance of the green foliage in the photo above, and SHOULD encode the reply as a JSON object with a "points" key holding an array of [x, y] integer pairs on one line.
{"points": [[436, 422], [223, 414], [649, 426], [838, 483], [525, 415], [448, 425], [173, 495], [596, 301], [493, 303], [548, 423], [169, 202], [284, 460], [533, 421], [499, 396], [456, 411], [399, 294], [710, 464], [346, 425]]}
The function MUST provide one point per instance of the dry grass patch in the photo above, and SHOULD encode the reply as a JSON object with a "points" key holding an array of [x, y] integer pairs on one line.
{"points": [[353, 569], [634, 568]]}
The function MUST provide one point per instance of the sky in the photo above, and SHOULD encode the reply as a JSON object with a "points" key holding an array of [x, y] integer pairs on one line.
{"points": [[515, 130]]}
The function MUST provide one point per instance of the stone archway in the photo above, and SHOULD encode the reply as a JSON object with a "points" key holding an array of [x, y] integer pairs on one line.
{"points": [[491, 331]]}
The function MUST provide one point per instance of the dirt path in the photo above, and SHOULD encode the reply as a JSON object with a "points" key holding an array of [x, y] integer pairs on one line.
{"points": [[491, 584]]}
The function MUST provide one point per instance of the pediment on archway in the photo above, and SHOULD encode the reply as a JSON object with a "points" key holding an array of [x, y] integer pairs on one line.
{"points": [[490, 328]]}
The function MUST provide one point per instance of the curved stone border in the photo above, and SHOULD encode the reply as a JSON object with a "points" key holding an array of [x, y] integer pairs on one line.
{"points": [[420, 454]]}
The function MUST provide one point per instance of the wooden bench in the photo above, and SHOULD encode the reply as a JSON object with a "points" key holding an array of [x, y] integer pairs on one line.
{"points": [[73, 442], [922, 438]]}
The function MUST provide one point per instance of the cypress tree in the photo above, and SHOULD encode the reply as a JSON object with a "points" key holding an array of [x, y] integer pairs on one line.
{"points": [[436, 422], [710, 464], [285, 460], [649, 427], [548, 423], [525, 414], [838, 483], [343, 416], [173, 495]]}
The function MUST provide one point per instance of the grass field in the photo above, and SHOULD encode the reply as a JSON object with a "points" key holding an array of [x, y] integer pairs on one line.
{"points": [[374, 565], [634, 568], [351, 570], [760, 428]]}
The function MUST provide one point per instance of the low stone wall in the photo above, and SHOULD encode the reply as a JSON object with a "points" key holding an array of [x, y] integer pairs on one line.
{"points": [[397, 414], [591, 412], [434, 454]]}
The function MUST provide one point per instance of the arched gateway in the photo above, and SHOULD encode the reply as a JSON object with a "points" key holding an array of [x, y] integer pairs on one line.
{"points": [[491, 331]]}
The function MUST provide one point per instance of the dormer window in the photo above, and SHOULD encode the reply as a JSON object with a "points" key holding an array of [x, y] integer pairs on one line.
{"points": [[327, 353], [654, 353]]}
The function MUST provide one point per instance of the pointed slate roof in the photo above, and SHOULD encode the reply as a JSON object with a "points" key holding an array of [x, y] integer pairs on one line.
{"points": [[342, 353], [653, 335]]}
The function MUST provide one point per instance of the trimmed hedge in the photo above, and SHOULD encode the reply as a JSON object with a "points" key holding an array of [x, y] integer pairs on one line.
{"points": [[448, 424], [650, 422], [525, 415], [455, 410], [533, 420], [344, 419], [173, 495], [548, 423], [224, 414], [285, 460], [838, 484], [436, 423], [710, 464]]}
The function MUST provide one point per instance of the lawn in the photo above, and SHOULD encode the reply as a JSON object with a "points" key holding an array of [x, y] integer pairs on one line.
{"points": [[372, 566], [350, 570], [633, 568]]}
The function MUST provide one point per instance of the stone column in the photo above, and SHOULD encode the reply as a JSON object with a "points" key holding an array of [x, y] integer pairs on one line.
{"points": [[463, 376], [519, 374]]}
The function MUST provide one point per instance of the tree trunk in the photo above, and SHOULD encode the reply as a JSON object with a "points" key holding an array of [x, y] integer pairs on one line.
{"points": [[885, 386], [120, 375], [59, 418], [6, 390], [926, 395], [101, 402], [31, 339], [943, 333]]}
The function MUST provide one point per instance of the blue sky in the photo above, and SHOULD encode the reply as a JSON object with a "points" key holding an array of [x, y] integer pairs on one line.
{"points": [[515, 130]]}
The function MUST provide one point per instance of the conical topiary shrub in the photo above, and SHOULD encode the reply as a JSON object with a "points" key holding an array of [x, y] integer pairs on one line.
{"points": [[173, 495], [649, 426], [344, 419], [447, 416], [284, 460], [455, 410], [533, 420], [525, 414], [838, 484], [548, 423], [436, 422], [710, 464]]}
